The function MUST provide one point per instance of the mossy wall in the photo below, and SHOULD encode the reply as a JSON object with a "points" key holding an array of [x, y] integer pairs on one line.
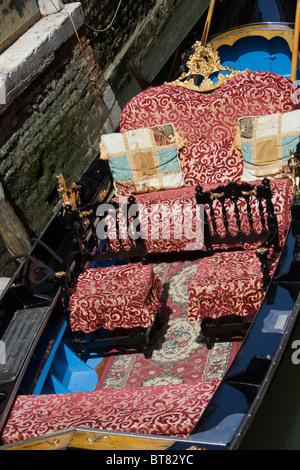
{"points": [[56, 124]]}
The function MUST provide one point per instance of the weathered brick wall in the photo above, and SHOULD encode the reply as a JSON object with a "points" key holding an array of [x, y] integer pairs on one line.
{"points": [[134, 30], [55, 126]]}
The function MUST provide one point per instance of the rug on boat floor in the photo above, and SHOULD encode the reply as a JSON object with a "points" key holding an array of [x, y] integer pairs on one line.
{"points": [[177, 357]]}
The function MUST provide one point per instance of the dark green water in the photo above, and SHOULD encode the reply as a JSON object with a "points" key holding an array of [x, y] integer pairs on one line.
{"points": [[276, 425]]}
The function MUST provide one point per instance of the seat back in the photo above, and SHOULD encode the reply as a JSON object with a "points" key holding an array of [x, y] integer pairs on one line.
{"points": [[239, 214], [203, 120], [106, 231]]}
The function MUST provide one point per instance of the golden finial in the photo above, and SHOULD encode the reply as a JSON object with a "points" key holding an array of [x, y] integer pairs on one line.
{"points": [[69, 197], [294, 165], [203, 63]]}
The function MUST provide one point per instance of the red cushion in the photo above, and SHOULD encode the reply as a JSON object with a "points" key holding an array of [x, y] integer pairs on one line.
{"points": [[157, 213], [169, 410], [208, 122], [124, 296], [227, 283], [156, 209]]}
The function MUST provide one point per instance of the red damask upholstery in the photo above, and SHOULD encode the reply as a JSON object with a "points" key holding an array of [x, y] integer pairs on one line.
{"points": [[169, 410], [124, 296], [207, 123], [228, 283], [155, 210]]}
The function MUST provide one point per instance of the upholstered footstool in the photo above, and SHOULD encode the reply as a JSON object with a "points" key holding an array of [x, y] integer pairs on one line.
{"points": [[122, 296], [227, 286]]}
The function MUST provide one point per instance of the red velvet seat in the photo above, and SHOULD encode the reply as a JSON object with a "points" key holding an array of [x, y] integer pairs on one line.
{"points": [[229, 285], [168, 410], [207, 122], [185, 236], [124, 296]]}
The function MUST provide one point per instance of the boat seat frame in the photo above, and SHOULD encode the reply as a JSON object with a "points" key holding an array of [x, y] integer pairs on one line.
{"points": [[88, 248], [230, 327]]}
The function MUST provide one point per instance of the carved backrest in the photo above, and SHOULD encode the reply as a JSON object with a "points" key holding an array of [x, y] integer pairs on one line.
{"points": [[239, 214], [201, 66], [106, 231]]}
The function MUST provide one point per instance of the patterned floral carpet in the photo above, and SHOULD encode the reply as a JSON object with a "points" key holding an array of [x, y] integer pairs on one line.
{"points": [[176, 358]]}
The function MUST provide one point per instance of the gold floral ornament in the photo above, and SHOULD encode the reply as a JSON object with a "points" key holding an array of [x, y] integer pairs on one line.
{"points": [[294, 165], [203, 63], [69, 196]]}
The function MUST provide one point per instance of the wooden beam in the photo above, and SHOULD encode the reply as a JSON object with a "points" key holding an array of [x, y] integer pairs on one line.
{"points": [[12, 231], [296, 43], [207, 23]]}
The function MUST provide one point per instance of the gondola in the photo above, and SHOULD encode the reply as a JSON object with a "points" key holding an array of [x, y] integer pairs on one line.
{"points": [[52, 384]]}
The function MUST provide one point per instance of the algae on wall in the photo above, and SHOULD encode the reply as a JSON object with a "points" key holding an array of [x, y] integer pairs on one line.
{"points": [[56, 125], [53, 128]]}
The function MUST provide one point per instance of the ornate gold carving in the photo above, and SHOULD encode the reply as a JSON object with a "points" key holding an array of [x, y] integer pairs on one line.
{"points": [[216, 195], [262, 249], [59, 274], [95, 438], [252, 192], [83, 214], [69, 196], [294, 165], [204, 62], [195, 448]]}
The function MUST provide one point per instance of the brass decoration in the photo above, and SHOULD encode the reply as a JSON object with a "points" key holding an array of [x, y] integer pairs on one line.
{"points": [[59, 274], [294, 165], [71, 196], [83, 214], [204, 62], [53, 441], [195, 448], [95, 438], [253, 192], [262, 250], [216, 196]]}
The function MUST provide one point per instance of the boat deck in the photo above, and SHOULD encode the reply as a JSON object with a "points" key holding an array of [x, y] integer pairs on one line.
{"points": [[176, 356], [178, 362]]}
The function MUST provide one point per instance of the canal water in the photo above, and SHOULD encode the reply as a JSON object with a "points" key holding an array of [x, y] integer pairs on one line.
{"points": [[276, 425]]}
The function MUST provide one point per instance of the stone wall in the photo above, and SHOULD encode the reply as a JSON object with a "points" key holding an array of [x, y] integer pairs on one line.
{"points": [[55, 125], [132, 34]]}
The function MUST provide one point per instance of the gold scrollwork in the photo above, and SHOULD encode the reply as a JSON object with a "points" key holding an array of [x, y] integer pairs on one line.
{"points": [[195, 448], [69, 196], [262, 250], [252, 192], [204, 62], [294, 165], [95, 438], [216, 196]]}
